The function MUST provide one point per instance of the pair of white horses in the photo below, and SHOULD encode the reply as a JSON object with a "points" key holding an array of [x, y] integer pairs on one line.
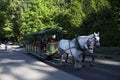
{"points": [[78, 46]]}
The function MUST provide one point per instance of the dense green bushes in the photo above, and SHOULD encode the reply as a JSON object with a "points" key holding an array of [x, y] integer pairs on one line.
{"points": [[77, 17]]}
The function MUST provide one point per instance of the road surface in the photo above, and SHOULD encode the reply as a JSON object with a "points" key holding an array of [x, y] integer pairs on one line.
{"points": [[16, 65]]}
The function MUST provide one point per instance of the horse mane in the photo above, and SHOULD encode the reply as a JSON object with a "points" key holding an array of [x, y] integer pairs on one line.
{"points": [[84, 39], [91, 35], [86, 36]]}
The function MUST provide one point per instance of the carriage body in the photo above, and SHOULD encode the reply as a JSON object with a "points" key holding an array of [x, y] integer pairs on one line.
{"points": [[51, 48], [44, 43]]}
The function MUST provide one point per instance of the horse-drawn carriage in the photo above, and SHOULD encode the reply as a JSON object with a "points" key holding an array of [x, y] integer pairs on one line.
{"points": [[44, 43], [48, 43]]}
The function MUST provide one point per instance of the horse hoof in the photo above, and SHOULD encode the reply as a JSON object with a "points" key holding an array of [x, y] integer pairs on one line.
{"points": [[91, 65], [77, 69], [83, 65]]}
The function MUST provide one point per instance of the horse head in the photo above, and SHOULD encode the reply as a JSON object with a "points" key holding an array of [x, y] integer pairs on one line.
{"points": [[93, 41], [97, 39]]}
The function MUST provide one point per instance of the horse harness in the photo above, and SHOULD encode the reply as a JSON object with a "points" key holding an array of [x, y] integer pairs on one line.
{"points": [[78, 46], [87, 43]]}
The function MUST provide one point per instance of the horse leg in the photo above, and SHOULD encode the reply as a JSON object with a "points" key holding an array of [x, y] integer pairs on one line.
{"points": [[76, 65], [73, 60], [92, 62], [77, 62], [83, 60], [61, 59], [66, 59]]}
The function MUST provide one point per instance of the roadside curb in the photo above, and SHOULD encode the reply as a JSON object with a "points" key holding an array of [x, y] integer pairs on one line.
{"points": [[106, 57]]}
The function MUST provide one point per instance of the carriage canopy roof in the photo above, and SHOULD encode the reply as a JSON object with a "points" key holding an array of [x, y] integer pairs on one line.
{"points": [[49, 31]]}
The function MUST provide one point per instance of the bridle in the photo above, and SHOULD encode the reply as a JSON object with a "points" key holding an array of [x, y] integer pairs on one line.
{"points": [[87, 43], [79, 46], [93, 39]]}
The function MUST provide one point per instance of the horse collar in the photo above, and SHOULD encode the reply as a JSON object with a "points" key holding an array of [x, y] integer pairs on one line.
{"points": [[78, 44]]}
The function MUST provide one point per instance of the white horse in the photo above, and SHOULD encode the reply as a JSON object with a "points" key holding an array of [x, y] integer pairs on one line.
{"points": [[77, 46]]}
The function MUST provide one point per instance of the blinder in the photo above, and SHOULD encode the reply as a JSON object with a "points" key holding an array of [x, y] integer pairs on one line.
{"points": [[87, 44]]}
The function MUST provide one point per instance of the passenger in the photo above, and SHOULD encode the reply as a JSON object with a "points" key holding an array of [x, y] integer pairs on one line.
{"points": [[30, 43], [43, 44], [0, 44], [54, 37], [5, 44]]}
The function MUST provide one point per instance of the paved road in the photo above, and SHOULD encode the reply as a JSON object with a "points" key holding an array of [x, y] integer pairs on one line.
{"points": [[104, 69], [19, 66], [15, 65]]}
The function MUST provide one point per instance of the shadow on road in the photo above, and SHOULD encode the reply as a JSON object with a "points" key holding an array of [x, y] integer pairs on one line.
{"points": [[15, 65], [14, 62]]}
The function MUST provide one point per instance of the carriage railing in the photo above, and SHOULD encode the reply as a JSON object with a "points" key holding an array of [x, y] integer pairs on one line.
{"points": [[34, 42], [35, 47]]}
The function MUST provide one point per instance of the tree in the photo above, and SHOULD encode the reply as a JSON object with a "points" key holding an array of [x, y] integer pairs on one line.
{"points": [[14, 19], [39, 15], [3, 9], [74, 16]]}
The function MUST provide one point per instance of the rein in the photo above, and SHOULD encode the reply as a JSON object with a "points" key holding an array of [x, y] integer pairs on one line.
{"points": [[78, 46], [87, 43], [76, 43], [70, 47]]}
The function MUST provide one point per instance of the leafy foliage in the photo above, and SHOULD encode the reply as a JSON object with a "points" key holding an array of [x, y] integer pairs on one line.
{"points": [[13, 19], [39, 15], [77, 17], [3, 9]]}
